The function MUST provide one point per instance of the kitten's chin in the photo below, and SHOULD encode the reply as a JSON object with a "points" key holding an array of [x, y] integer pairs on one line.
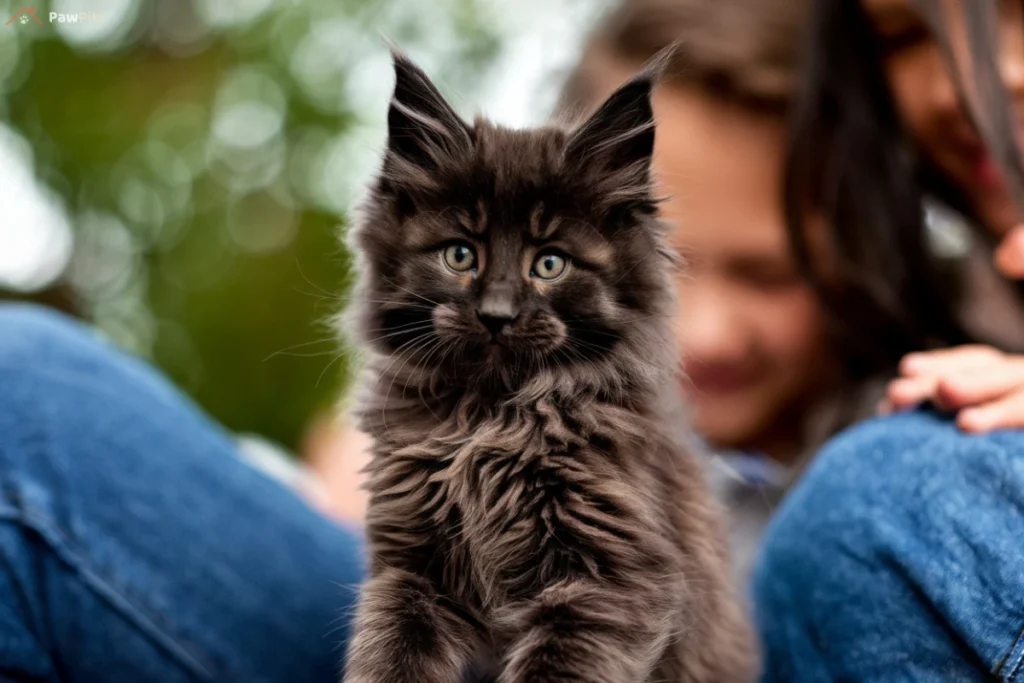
{"points": [[495, 353], [484, 357]]}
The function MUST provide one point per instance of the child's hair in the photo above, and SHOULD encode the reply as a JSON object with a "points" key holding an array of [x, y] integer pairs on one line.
{"points": [[849, 163], [738, 50]]}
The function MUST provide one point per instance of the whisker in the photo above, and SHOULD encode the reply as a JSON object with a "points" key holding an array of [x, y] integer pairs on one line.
{"points": [[299, 346], [313, 284], [318, 354], [402, 303], [400, 332], [398, 327], [319, 297], [438, 344], [387, 394], [324, 371], [409, 291]]}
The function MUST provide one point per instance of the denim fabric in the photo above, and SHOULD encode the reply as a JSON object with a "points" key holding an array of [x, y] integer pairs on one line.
{"points": [[135, 545], [899, 557]]}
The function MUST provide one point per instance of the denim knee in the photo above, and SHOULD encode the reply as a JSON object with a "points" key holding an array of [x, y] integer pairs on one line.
{"points": [[133, 528], [53, 366], [41, 348], [33, 334], [903, 531]]}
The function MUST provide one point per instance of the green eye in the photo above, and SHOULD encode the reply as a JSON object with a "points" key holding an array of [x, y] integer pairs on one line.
{"points": [[460, 257], [549, 265]]}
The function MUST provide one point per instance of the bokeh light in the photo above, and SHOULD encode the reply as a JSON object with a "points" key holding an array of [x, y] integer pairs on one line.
{"points": [[35, 235]]}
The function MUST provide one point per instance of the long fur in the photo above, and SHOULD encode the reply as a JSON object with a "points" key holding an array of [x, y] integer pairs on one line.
{"points": [[533, 515]]}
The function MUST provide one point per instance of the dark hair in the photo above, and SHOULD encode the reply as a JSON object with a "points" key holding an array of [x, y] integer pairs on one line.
{"points": [[737, 50], [851, 162], [990, 111]]}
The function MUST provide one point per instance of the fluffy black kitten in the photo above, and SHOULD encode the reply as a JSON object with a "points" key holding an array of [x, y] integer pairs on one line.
{"points": [[533, 516]]}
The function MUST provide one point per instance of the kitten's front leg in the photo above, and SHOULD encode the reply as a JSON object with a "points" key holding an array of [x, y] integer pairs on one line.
{"points": [[587, 632], [404, 633]]}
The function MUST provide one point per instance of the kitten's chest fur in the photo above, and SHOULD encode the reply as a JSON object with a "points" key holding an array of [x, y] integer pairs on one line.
{"points": [[492, 493], [498, 503]]}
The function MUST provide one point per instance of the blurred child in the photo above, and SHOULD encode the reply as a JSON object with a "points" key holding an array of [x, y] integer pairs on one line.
{"points": [[757, 358]]}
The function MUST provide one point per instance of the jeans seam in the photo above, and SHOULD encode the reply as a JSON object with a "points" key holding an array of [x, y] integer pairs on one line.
{"points": [[62, 548], [1014, 658], [62, 545]]}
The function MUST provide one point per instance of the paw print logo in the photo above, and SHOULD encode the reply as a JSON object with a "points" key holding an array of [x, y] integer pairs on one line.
{"points": [[24, 15]]}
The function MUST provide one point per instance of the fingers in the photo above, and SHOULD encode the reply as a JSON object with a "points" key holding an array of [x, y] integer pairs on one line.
{"points": [[955, 378], [979, 386], [948, 360], [1004, 413], [1009, 257], [907, 392], [985, 387]]}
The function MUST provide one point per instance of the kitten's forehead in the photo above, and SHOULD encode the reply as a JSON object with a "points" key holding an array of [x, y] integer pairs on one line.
{"points": [[519, 183], [519, 160]]}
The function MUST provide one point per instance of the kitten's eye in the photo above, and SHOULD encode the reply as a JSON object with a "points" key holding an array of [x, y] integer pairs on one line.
{"points": [[460, 257], [549, 265]]}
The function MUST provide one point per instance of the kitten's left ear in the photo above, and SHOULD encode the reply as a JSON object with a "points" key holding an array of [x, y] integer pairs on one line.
{"points": [[617, 141]]}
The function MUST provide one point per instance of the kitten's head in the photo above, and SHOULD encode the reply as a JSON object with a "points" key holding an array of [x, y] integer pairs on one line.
{"points": [[491, 254]]}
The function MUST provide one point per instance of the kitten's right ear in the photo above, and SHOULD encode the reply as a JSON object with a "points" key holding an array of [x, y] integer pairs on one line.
{"points": [[423, 129], [615, 145]]}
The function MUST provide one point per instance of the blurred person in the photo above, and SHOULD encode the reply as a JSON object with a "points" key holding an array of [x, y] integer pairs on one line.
{"points": [[758, 360], [897, 557], [760, 372]]}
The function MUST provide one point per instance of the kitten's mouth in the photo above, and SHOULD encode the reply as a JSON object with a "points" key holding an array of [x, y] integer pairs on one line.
{"points": [[495, 347], [497, 351]]}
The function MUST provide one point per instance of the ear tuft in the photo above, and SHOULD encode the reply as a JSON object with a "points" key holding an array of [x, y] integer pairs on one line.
{"points": [[615, 145], [621, 132], [423, 129]]}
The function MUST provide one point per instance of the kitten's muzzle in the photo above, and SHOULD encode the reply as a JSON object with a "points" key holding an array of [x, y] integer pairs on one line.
{"points": [[497, 323]]}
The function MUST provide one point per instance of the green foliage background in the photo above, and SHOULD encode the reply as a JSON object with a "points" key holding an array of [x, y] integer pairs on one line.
{"points": [[207, 153]]}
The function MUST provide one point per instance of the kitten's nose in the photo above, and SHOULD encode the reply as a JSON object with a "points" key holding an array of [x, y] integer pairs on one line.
{"points": [[496, 322]]}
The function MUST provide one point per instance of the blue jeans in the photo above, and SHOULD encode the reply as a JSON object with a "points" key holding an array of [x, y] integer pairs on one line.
{"points": [[135, 545], [899, 557]]}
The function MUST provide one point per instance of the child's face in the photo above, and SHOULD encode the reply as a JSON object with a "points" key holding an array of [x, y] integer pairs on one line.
{"points": [[751, 330], [926, 97]]}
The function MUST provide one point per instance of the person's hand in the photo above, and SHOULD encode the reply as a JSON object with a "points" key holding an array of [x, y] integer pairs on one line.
{"points": [[982, 385]]}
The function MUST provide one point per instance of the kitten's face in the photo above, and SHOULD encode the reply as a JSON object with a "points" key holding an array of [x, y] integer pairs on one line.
{"points": [[491, 252], [503, 282]]}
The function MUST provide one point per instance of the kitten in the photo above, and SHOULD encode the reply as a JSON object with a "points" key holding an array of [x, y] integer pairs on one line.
{"points": [[533, 517]]}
